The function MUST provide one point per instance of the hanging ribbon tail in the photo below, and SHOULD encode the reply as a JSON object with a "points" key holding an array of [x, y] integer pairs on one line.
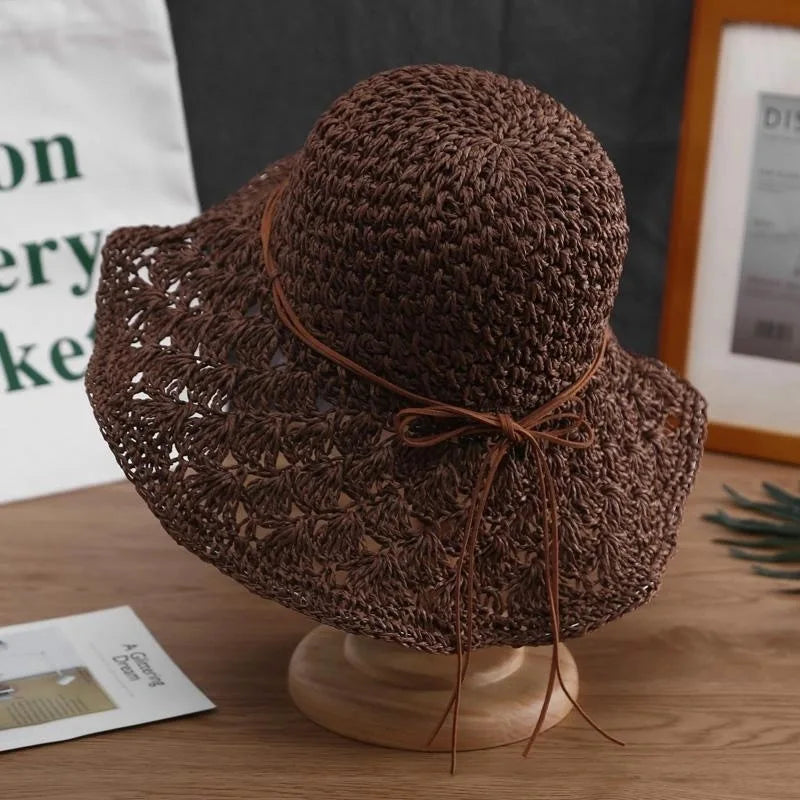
{"points": [[477, 505], [552, 571], [541, 467]]}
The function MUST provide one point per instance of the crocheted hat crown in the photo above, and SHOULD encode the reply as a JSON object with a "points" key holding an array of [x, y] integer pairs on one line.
{"points": [[458, 232]]}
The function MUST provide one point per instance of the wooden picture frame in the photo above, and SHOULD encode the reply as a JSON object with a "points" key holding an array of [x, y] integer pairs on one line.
{"points": [[711, 17]]}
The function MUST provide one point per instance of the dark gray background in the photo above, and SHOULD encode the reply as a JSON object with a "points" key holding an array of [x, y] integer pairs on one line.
{"points": [[256, 74]]}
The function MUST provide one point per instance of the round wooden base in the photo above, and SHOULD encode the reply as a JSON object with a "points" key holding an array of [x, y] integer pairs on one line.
{"points": [[386, 694]]}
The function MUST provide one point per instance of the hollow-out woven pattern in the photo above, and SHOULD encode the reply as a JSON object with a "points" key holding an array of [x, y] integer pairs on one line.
{"points": [[461, 234]]}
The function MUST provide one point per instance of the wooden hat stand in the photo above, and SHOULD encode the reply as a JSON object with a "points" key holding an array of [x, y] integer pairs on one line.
{"points": [[384, 693]]}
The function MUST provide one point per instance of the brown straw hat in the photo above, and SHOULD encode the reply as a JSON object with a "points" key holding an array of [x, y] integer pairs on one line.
{"points": [[408, 420]]}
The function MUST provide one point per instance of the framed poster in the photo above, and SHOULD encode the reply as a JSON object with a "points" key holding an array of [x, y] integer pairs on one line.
{"points": [[731, 315]]}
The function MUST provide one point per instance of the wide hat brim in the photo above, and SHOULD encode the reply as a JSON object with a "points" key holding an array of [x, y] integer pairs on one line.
{"points": [[284, 472]]}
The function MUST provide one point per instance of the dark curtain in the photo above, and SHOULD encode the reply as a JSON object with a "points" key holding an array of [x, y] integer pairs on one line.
{"points": [[256, 74]]}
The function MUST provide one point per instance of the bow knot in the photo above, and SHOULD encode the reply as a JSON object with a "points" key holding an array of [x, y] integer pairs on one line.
{"points": [[546, 424], [508, 425]]}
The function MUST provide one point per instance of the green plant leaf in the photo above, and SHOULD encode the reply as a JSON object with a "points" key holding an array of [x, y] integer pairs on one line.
{"points": [[781, 538], [781, 495], [772, 509], [753, 525], [768, 572], [781, 557], [768, 543]]}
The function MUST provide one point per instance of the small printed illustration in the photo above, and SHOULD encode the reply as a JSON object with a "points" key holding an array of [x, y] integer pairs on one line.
{"points": [[42, 680]]}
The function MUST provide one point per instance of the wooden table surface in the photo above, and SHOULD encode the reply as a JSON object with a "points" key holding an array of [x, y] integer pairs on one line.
{"points": [[703, 683]]}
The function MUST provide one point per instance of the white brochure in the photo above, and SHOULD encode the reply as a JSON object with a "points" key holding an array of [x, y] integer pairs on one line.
{"points": [[69, 677]]}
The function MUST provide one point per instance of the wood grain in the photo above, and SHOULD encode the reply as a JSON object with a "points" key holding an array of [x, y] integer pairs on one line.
{"points": [[384, 693], [703, 683], [710, 17]]}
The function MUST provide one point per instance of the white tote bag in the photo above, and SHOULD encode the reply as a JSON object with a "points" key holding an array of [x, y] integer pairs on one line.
{"points": [[92, 137]]}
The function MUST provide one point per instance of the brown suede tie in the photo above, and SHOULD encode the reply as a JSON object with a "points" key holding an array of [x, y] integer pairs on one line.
{"points": [[547, 424]]}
